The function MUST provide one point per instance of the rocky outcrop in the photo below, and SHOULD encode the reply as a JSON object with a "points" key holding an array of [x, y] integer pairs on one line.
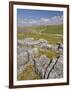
{"points": [[46, 68], [49, 68]]}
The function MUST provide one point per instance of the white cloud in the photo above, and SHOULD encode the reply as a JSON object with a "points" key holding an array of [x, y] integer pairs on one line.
{"points": [[45, 19], [32, 22], [41, 21], [57, 20]]}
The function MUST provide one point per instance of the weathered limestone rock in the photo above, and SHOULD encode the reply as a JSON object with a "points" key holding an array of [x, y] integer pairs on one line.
{"points": [[45, 67], [57, 72], [49, 68], [41, 64]]}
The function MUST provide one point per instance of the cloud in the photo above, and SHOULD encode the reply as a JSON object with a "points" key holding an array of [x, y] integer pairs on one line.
{"points": [[41, 21], [45, 19], [57, 19]]}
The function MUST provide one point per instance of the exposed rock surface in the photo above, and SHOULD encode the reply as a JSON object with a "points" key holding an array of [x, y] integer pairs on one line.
{"points": [[45, 67], [57, 72]]}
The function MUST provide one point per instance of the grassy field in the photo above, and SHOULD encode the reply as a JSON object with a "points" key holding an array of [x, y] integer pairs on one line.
{"points": [[53, 29], [51, 33]]}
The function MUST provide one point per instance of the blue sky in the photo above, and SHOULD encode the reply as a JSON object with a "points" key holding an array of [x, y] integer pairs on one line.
{"points": [[27, 17]]}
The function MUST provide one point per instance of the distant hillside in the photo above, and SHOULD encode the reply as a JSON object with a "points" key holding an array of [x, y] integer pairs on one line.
{"points": [[53, 29]]}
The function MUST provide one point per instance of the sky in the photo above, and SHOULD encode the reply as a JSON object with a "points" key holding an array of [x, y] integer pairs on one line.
{"points": [[29, 17]]}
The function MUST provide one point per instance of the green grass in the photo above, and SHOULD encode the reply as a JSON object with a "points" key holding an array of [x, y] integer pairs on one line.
{"points": [[49, 53], [58, 29], [49, 37], [48, 33], [28, 74], [53, 29]]}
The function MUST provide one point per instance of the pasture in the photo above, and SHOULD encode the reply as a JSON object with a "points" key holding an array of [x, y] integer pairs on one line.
{"points": [[51, 33]]}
